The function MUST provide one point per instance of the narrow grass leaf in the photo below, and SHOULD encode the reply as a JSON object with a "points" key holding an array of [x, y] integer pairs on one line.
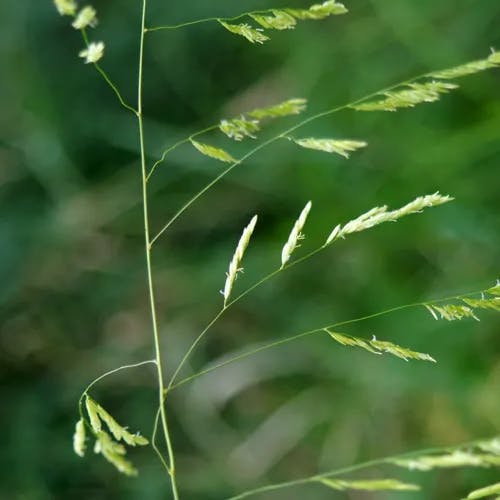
{"points": [[253, 35], [295, 235], [212, 152], [340, 146], [368, 485]]}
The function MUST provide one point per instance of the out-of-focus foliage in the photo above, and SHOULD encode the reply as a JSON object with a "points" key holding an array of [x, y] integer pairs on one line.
{"points": [[73, 298]]}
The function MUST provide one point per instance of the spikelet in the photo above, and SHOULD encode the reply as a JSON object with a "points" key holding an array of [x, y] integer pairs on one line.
{"points": [[319, 11], [368, 485], [413, 94], [66, 7], [457, 458], [483, 303], [494, 290], [491, 446], [114, 453], [451, 312], [280, 20], [378, 346], [234, 265], [86, 18], [97, 414], [492, 61], [418, 204], [253, 35], [212, 152], [347, 340], [79, 438], [340, 146], [378, 215], [286, 108], [492, 489], [239, 128], [398, 351], [93, 53], [295, 235], [92, 410]]}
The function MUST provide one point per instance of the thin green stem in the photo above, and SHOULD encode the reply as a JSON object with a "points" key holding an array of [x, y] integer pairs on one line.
{"points": [[108, 80], [352, 468], [282, 135], [153, 440], [152, 302], [192, 347], [107, 374], [208, 20], [176, 145], [300, 335], [228, 305]]}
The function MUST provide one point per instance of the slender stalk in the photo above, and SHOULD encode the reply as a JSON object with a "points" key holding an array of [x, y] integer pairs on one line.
{"points": [[351, 468], [108, 80], [282, 135], [208, 20], [163, 415], [300, 335]]}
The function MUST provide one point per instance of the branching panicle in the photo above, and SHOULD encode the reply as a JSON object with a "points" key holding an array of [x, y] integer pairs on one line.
{"points": [[111, 438]]}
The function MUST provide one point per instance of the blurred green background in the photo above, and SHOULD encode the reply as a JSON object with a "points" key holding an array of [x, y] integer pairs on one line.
{"points": [[73, 300]]}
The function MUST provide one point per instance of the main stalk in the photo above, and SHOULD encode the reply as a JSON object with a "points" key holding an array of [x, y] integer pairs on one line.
{"points": [[161, 387]]}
